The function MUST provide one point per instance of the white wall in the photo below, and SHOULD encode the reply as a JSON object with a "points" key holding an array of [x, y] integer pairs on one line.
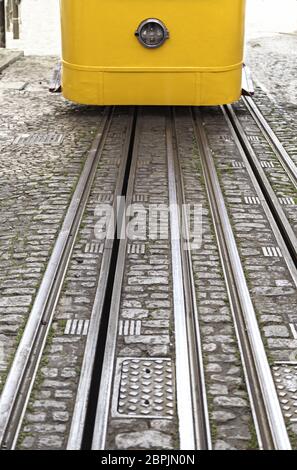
{"points": [[40, 28], [41, 25], [271, 16]]}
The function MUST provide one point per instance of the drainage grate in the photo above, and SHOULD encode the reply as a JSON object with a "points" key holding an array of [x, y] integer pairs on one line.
{"points": [[130, 327], [252, 200], [272, 251], [94, 247], [76, 327], [39, 139], [237, 164], [140, 198], [267, 164], [143, 388], [254, 138], [105, 198], [136, 249], [285, 376], [287, 201]]}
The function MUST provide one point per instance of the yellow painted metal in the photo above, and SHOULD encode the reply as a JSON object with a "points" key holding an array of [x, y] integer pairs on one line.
{"points": [[200, 64]]}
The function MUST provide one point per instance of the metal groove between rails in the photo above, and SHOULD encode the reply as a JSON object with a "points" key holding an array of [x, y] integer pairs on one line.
{"points": [[104, 393]]}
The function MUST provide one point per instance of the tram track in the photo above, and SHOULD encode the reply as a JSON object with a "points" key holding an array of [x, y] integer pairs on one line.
{"points": [[81, 431], [89, 427], [279, 216], [200, 400], [268, 419], [194, 430], [22, 374], [282, 155], [101, 382]]}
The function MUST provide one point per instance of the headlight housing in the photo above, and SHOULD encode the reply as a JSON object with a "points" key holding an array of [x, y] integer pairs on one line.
{"points": [[152, 33]]}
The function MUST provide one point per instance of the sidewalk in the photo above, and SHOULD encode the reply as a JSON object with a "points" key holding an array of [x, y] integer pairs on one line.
{"points": [[8, 57]]}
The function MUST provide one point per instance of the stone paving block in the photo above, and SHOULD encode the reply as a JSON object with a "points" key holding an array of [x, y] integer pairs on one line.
{"points": [[144, 440]]}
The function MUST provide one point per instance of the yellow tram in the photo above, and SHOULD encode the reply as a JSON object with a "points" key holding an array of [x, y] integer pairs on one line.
{"points": [[152, 52]]}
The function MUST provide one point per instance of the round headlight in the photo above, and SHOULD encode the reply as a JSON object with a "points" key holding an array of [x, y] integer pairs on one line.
{"points": [[152, 33]]}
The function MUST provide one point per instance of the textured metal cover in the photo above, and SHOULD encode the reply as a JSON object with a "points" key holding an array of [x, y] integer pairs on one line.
{"points": [[144, 388], [39, 139], [285, 376]]}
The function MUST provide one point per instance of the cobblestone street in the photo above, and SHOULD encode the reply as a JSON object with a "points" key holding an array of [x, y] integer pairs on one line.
{"points": [[128, 289], [36, 184]]}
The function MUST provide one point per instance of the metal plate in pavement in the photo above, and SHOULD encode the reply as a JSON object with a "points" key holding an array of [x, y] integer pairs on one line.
{"points": [[285, 376], [144, 388], [50, 138]]}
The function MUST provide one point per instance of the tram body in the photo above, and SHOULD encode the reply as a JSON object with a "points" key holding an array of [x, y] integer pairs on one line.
{"points": [[152, 52]]}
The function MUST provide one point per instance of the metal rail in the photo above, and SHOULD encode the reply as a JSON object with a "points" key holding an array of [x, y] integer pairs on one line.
{"points": [[188, 336], [194, 431], [279, 150], [76, 435], [282, 228], [22, 373], [269, 421], [183, 373]]}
